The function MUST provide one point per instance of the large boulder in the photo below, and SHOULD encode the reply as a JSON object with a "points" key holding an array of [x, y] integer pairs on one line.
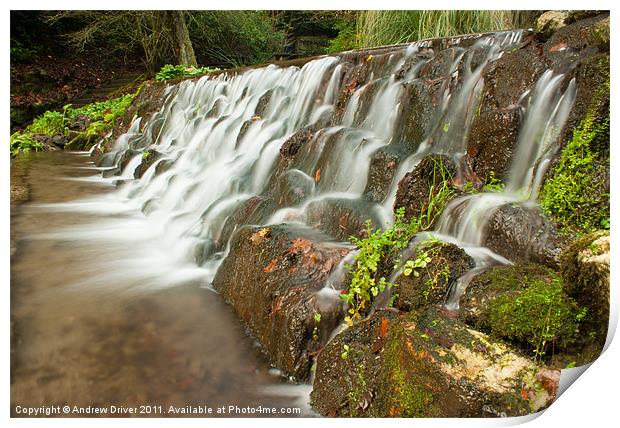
{"points": [[426, 364], [585, 270], [341, 218], [274, 277]]}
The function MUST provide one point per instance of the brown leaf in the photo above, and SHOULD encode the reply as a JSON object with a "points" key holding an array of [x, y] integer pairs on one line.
{"points": [[261, 235], [317, 175], [384, 326], [271, 266], [559, 47]]}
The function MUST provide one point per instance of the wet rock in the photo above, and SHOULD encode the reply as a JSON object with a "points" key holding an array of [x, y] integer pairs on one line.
{"points": [[383, 165], [273, 278], [425, 364], [508, 78], [293, 187], [447, 263], [550, 22], [292, 145], [442, 64], [82, 141], [582, 37], [255, 210], [149, 157], [80, 123], [523, 234], [487, 286], [419, 107], [341, 218], [585, 270], [491, 142], [415, 188], [263, 102]]}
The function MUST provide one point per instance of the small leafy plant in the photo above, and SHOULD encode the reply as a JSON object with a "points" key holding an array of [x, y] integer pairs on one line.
{"points": [[170, 71], [379, 248]]}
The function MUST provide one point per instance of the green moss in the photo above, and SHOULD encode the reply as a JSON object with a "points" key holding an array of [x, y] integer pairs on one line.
{"points": [[576, 194], [539, 315], [408, 398]]}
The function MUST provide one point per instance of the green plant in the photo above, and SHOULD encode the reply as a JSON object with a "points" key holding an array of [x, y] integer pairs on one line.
{"points": [[345, 353], [493, 184], [428, 251], [23, 143], [146, 154], [379, 247], [235, 37], [345, 40], [103, 116], [387, 27], [169, 71]]}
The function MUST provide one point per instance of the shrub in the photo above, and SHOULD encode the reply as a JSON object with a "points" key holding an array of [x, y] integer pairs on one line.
{"points": [[169, 71]]}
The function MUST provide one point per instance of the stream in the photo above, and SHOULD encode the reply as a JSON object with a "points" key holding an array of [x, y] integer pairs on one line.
{"points": [[83, 336]]}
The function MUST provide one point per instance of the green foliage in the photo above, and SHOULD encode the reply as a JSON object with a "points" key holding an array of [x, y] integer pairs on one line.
{"points": [[345, 353], [20, 53], [538, 315], [429, 251], [234, 37], [387, 27], [345, 40], [493, 184], [50, 123], [169, 71], [572, 196], [24, 144], [413, 266], [146, 154], [103, 115], [379, 247]]}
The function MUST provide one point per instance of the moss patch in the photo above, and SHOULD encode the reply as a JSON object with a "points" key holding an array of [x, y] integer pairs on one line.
{"points": [[540, 315]]}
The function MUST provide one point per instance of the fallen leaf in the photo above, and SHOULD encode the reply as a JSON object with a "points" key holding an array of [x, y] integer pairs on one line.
{"points": [[317, 175], [384, 326], [559, 47], [271, 266]]}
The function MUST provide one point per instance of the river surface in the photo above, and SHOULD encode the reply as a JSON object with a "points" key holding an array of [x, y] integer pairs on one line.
{"points": [[82, 335]]}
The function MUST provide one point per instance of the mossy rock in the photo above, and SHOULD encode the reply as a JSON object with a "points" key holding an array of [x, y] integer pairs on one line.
{"points": [[585, 271], [82, 141], [431, 284], [525, 304], [425, 364]]}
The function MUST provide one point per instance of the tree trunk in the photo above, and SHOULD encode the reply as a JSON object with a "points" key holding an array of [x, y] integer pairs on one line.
{"points": [[184, 50]]}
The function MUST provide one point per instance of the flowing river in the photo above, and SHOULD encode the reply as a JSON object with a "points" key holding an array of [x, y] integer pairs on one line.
{"points": [[82, 336]]}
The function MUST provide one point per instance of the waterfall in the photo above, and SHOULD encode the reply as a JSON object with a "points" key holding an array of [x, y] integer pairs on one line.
{"points": [[218, 142]]}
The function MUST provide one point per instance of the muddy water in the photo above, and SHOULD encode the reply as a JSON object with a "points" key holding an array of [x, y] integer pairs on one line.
{"points": [[81, 336]]}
